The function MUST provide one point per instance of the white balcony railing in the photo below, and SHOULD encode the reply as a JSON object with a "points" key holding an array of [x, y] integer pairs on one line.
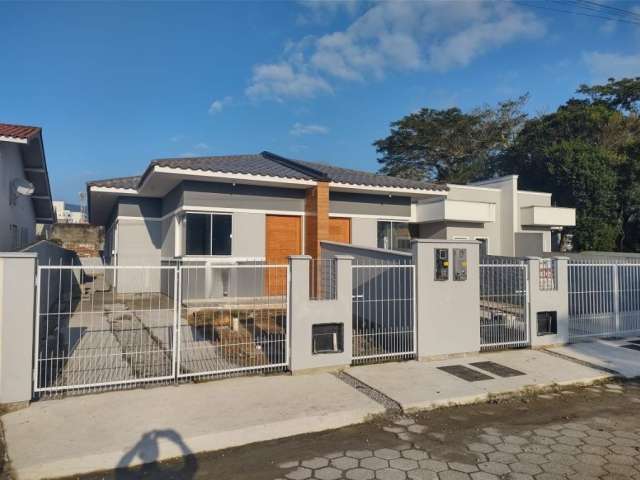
{"points": [[548, 216], [456, 211]]}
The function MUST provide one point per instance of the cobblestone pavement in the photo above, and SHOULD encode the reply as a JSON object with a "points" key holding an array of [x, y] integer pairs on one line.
{"points": [[575, 433]]}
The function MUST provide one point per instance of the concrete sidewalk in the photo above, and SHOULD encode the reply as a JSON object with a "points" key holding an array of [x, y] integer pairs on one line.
{"points": [[421, 385], [608, 354], [75, 435]]}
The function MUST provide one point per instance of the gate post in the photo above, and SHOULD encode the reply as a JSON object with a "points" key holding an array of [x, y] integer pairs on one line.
{"points": [[550, 299], [305, 313], [17, 333], [448, 311]]}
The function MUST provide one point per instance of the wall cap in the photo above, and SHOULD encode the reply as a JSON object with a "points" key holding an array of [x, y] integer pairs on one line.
{"points": [[299, 257], [435, 240], [18, 255], [562, 258], [533, 257], [343, 257]]}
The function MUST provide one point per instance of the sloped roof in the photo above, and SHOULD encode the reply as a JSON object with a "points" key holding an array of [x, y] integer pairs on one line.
{"points": [[22, 132], [272, 165]]}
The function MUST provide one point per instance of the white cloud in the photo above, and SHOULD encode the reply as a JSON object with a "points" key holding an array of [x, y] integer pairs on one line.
{"points": [[281, 80], [218, 105], [302, 129], [394, 35], [605, 65], [177, 138], [201, 146]]}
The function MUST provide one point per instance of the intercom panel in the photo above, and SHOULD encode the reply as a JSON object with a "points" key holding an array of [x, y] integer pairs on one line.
{"points": [[460, 264], [441, 264]]}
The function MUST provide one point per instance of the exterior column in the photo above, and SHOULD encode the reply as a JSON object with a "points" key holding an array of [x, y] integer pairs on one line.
{"points": [[17, 297], [316, 218], [305, 313], [447, 311], [548, 292]]}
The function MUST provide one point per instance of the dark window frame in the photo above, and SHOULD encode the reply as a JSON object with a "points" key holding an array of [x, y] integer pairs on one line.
{"points": [[213, 242], [392, 234]]}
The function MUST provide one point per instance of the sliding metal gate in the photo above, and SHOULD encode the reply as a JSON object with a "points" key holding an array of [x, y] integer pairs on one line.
{"points": [[504, 305], [384, 326], [158, 324]]}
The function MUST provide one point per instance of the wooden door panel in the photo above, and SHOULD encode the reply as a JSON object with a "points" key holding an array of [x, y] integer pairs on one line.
{"points": [[284, 238], [340, 229]]}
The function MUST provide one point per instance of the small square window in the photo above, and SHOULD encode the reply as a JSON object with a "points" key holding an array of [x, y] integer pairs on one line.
{"points": [[327, 338], [547, 323]]}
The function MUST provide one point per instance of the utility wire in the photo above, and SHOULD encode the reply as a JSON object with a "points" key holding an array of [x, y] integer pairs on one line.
{"points": [[622, 11], [574, 12]]}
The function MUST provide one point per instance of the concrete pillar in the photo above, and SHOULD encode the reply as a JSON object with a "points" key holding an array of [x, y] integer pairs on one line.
{"points": [[17, 297], [553, 298], [304, 313], [448, 312]]}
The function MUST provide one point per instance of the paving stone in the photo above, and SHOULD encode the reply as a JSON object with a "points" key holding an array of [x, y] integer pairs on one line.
{"points": [[549, 476], [374, 463], [515, 439], [386, 453], [403, 464], [627, 442], [568, 449], [569, 440], [360, 474], [523, 467], [463, 467], [587, 469], [597, 441], [394, 429], [591, 459], [413, 454], [518, 476], [508, 448], [577, 426], [547, 441], [453, 475], [494, 467], [491, 431], [299, 473], [546, 432], [598, 433], [490, 439], [403, 446], [481, 447], [422, 475], [358, 453], [344, 463], [625, 434], [404, 422], [314, 463], [621, 459], [502, 457], [620, 469], [433, 465], [484, 476], [557, 468], [407, 437], [622, 450], [595, 450], [390, 474], [417, 428], [532, 458], [290, 464], [539, 449], [328, 473], [334, 455], [573, 433], [562, 458]]}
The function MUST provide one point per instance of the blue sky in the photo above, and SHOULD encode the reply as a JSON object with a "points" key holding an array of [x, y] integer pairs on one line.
{"points": [[115, 85]]}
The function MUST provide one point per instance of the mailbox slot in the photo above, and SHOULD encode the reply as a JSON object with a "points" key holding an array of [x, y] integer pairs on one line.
{"points": [[459, 264], [441, 264]]}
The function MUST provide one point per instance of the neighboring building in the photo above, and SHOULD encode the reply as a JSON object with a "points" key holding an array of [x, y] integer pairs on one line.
{"points": [[265, 207], [25, 195], [68, 212], [506, 220]]}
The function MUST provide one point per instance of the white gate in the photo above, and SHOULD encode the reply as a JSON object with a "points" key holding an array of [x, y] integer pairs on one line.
{"points": [[384, 326], [159, 324], [504, 305], [604, 297], [90, 334]]}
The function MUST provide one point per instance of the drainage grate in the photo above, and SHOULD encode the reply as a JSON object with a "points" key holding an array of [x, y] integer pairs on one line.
{"points": [[465, 373], [631, 347], [376, 395], [497, 369]]}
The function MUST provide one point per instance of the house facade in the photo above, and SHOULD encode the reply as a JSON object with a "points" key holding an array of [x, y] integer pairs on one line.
{"points": [[25, 195], [264, 207]]}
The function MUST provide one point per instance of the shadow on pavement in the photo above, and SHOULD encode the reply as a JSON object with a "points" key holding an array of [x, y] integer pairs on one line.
{"points": [[147, 451]]}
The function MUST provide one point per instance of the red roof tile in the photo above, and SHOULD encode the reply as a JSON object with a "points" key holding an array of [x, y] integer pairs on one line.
{"points": [[18, 131]]}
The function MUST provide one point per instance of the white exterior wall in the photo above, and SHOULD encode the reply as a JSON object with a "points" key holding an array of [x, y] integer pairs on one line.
{"points": [[20, 214], [364, 232]]}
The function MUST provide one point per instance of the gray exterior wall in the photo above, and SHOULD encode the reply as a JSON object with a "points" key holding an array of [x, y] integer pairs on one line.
{"points": [[343, 203], [139, 244], [433, 230], [140, 207], [20, 214], [364, 231], [529, 243]]}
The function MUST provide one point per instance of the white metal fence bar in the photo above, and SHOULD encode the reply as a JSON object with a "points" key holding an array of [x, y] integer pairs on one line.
{"points": [[604, 298], [504, 303], [384, 324], [233, 318], [90, 335]]}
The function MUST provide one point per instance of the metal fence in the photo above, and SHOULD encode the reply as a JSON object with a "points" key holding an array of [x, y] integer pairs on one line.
{"points": [[504, 300], [115, 326], [384, 326], [604, 297]]}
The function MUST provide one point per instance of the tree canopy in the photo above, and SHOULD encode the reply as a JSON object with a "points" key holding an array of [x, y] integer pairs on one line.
{"points": [[586, 153]]}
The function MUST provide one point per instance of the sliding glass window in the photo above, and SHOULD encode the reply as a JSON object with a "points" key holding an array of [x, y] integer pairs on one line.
{"points": [[394, 236], [208, 234]]}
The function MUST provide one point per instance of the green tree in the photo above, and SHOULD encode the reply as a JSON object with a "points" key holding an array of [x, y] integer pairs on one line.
{"points": [[449, 145]]}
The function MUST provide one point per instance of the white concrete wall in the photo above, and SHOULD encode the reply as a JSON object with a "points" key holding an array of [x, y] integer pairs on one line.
{"points": [[20, 214], [364, 232]]}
